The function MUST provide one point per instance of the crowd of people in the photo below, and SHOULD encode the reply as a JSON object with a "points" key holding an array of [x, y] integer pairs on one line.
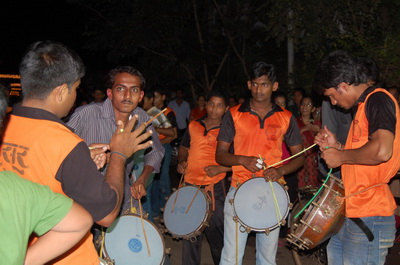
{"points": [[71, 168]]}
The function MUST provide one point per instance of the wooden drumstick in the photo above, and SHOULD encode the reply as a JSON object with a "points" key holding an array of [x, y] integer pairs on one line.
{"points": [[155, 117], [197, 191], [144, 230], [293, 156], [177, 193]]}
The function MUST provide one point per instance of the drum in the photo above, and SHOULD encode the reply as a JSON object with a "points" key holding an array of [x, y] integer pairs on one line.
{"points": [[125, 242], [182, 221], [322, 219], [260, 205]]}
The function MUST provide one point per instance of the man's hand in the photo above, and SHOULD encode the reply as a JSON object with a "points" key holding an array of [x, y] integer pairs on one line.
{"points": [[138, 189], [213, 170], [127, 142], [325, 138], [251, 163], [332, 157], [98, 154], [181, 168], [271, 174]]}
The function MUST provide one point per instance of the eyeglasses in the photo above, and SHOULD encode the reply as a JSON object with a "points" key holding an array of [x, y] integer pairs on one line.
{"points": [[306, 104]]}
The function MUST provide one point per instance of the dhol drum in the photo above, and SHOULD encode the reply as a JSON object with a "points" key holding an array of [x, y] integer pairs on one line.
{"points": [[125, 242], [187, 212], [322, 219], [260, 205]]}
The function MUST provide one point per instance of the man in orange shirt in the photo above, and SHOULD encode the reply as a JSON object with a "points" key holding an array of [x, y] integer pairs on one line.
{"points": [[369, 159], [37, 144], [196, 156], [256, 127]]}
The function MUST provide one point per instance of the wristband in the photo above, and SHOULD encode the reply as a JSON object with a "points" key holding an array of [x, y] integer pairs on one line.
{"points": [[118, 153]]}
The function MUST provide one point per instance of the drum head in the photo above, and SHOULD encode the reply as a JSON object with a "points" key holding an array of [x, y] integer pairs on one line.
{"points": [[254, 204], [125, 242], [176, 220]]}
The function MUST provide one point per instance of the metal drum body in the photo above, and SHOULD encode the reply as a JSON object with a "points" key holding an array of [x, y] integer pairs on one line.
{"points": [[125, 243], [182, 223], [322, 219], [260, 207]]}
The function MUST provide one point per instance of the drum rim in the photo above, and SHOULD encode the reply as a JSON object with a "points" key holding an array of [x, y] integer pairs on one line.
{"points": [[311, 213], [260, 229], [203, 222], [106, 256]]}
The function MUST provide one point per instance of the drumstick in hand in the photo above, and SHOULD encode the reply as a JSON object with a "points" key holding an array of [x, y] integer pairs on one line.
{"points": [[144, 230]]}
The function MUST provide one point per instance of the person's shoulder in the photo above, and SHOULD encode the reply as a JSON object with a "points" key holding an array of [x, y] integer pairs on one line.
{"points": [[89, 108]]}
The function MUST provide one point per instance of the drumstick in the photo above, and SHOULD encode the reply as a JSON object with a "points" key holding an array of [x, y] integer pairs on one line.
{"points": [[197, 191], [144, 230], [277, 210], [293, 156], [177, 192], [315, 195], [155, 117]]}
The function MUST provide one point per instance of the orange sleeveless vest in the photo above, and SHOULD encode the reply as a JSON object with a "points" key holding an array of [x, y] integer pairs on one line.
{"points": [[201, 154], [251, 139], [377, 201], [37, 156]]}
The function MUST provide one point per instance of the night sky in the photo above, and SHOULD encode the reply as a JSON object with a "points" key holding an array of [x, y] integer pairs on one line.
{"points": [[24, 22]]}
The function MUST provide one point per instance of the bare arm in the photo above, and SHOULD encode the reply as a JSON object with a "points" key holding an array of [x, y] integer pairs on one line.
{"points": [[123, 144], [182, 159], [63, 236], [223, 157]]}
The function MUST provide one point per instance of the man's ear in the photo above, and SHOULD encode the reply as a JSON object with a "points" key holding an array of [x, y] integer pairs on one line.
{"points": [[249, 85], [109, 93], [275, 86], [343, 87], [61, 92]]}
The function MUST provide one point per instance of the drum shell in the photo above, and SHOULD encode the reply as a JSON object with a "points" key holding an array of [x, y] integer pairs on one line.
{"points": [[322, 219], [175, 221], [130, 226], [258, 189]]}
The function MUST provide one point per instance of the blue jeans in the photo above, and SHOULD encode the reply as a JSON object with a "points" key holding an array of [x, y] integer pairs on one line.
{"points": [[266, 246], [351, 246], [161, 186]]}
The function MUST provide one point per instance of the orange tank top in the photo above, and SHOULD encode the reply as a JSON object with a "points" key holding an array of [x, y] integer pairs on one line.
{"points": [[377, 201]]}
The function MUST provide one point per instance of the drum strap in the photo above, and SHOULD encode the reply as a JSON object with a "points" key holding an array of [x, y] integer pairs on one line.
{"points": [[210, 188], [360, 223]]}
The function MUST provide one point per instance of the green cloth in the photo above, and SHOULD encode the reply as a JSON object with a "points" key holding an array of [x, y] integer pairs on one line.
{"points": [[26, 207]]}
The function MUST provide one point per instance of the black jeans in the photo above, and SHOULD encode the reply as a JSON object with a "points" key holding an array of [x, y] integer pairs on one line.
{"points": [[191, 252]]}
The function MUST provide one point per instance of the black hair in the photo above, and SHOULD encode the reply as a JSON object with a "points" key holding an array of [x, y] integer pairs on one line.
{"points": [[124, 69], [47, 65], [220, 94], [276, 94], [368, 70], [149, 93], [261, 68], [337, 67]]}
